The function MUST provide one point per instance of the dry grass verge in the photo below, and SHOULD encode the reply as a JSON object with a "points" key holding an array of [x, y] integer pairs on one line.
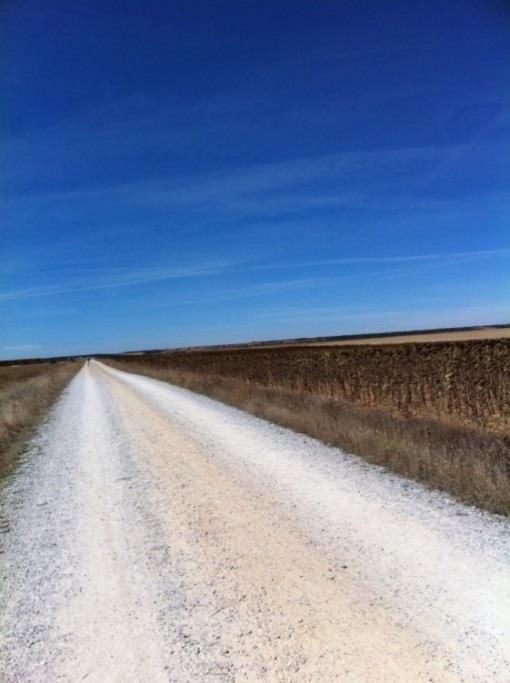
{"points": [[26, 393], [472, 463]]}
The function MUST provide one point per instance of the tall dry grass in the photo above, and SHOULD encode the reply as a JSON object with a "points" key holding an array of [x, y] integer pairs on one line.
{"points": [[442, 448], [26, 393]]}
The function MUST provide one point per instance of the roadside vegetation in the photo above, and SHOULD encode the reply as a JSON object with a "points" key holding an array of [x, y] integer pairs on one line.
{"points": [[26, 393], [435, 412]]}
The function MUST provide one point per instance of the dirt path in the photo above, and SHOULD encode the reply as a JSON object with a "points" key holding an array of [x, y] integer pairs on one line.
{"points": [[156, 535]]}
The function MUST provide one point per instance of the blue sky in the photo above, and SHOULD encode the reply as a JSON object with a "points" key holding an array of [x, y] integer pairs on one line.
{"points": [[204, 172]]}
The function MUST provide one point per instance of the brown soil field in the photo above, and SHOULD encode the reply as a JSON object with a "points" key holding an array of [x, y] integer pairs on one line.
{"points": [[435, 411]]}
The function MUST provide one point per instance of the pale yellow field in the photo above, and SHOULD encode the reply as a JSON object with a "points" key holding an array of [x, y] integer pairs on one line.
{"points": [[460, 335], [463, 335]]}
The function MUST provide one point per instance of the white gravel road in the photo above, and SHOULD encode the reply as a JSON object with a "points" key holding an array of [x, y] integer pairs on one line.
{"points": [[152, 534]]}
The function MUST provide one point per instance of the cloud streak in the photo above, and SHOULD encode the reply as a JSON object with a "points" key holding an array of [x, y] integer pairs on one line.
{"points": [[490, 313], [449, 258], [142, 276], [119, 279], [263, 178]]}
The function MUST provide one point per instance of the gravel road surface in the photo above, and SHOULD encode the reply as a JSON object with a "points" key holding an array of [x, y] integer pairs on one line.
{"points": [[152, 534]]}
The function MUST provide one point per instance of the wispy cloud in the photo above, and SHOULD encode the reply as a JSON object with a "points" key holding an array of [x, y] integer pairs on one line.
{"points": [[264, 178], [406, 266], [378, 185], [112, 279], [487, 313], [446, 259], [117, 279], [20, 347]]}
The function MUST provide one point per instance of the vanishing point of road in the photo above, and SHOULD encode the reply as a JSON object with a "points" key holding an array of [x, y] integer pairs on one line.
{"points": [[152, 534]]}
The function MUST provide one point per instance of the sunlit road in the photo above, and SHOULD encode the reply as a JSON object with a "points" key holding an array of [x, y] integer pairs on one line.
{"points": [[152, 534]]}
